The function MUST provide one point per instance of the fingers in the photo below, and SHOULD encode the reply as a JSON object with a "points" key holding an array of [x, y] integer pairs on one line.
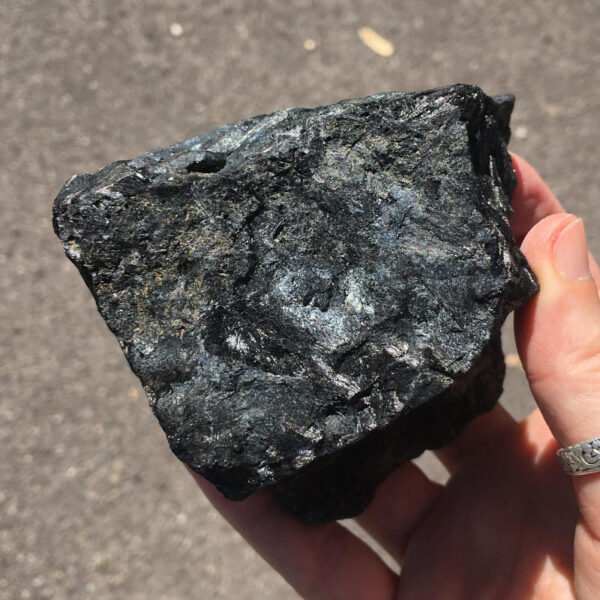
{"points": [[533, 201], [323, 562], [563, 375], [558, 337], [558, 333], [400, 504]]}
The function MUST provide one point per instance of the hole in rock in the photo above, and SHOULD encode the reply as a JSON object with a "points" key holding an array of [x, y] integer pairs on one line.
{"points": [[211, 162]]}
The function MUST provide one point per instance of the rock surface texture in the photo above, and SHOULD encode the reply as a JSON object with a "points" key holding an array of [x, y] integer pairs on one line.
{"points": [[311, 297]]}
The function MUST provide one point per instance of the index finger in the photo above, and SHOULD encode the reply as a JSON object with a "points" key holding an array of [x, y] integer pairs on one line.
{"points": [[533, 201]]}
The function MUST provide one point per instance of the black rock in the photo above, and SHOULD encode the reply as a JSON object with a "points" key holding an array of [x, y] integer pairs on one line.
{"points": [[311, 297]]}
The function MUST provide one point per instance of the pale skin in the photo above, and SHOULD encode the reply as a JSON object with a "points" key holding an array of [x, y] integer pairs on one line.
{"points": [[509, 524]]}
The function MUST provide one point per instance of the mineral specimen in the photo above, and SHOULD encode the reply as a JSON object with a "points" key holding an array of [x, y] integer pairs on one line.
{"points": [[311, 297]]}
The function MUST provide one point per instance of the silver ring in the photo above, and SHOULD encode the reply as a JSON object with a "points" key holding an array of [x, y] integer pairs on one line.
{"points": [[581, 459]]}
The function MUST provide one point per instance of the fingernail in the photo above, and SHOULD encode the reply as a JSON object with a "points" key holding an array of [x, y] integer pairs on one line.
{"points": [[571, 252]]}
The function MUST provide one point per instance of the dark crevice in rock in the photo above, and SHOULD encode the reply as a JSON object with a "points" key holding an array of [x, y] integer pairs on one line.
{"points": [[348, 355], [209, 162]]}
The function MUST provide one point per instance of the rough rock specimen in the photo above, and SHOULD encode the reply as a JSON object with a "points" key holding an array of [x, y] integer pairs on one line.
{"points": [[314, 296]]}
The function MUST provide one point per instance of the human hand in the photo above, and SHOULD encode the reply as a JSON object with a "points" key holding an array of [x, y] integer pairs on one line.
{"points": [[509, 523]]}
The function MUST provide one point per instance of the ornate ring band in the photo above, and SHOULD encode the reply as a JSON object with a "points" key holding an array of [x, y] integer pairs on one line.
{"points": [[581, 459]]}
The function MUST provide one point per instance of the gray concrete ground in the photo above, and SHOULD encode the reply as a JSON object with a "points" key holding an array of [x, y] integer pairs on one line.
{"points": [[92, 503]]}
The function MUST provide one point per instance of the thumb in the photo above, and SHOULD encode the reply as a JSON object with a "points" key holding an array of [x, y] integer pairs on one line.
{"points": [[558, 332], [558, 336]]}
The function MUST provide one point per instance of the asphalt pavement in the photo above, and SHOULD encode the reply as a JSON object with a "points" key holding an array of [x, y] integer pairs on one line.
{"points": [[92, 503]]}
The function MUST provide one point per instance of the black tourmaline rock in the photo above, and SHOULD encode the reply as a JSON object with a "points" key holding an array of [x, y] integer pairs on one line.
{"points": [[311, 297]]}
